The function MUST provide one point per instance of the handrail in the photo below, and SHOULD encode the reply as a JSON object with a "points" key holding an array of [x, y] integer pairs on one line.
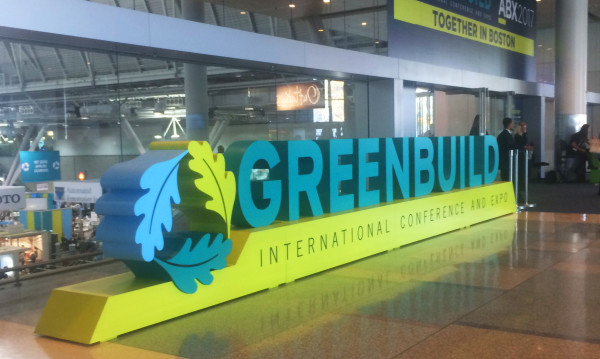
{"points": [[17, 279]]}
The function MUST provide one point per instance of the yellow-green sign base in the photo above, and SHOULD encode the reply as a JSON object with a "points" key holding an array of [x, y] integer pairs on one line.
{"points": [[263, 258]]}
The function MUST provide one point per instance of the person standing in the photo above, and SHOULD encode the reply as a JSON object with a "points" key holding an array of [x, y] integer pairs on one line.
{"points": [[506, 143], [521, 140], [578, 151]]}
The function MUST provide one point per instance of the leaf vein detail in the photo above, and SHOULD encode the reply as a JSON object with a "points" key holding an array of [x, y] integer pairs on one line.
{"points": [[162, 187]]}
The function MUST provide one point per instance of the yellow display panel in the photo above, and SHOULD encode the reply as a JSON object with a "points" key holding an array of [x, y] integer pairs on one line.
{"points": [[57, 223], [264, 258]]}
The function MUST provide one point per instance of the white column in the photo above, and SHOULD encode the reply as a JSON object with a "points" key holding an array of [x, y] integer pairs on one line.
{"points": [[195, 82], [571, 65]]}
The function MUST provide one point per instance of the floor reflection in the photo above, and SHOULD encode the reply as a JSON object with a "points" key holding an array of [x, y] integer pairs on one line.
{"points": [[413, 290], [521, 286]]}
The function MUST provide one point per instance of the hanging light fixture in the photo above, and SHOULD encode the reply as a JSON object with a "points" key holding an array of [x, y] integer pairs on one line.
{"points": [[174, 124]]}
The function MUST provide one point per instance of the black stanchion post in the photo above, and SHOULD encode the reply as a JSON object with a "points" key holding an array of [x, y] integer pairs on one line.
{"points": [[510, 164], [17, 278], [527, 204], [516, 182]]}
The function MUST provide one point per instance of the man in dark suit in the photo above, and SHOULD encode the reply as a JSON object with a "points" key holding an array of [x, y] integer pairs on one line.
{"points": [[506, 143]]}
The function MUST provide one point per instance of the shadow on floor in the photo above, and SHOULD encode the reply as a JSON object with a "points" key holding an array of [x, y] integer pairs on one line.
{"points": [[564, 197]]}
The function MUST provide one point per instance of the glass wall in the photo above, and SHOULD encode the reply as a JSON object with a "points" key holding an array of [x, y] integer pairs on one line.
{"points": [[425, 115], [359, 25], [98, 109]]}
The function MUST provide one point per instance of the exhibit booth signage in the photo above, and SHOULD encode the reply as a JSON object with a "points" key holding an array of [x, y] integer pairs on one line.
{"points": [[39, 166], [12, 198], [77, 191], [194, 237]]}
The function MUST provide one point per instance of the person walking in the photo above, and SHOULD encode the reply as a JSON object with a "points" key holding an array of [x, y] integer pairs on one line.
{"points": [[506, 143]]}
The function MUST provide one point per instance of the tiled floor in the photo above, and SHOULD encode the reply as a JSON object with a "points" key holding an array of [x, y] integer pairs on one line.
{"points": [[522, 286]]}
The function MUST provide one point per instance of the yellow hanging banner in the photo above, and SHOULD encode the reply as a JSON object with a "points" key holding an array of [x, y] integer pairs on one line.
{"points": [[438, 19]]}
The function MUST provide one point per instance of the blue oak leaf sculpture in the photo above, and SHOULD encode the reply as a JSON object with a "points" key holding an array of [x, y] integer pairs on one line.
{"points": [[136, 204], [196, 262], [161, 182], [138, 215]]}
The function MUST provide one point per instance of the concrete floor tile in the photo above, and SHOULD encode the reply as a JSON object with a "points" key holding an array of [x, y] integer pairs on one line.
{"points": [[553, 303], [340, 337], [429, 299], [486, 275], [463, 342], [17, 341]]}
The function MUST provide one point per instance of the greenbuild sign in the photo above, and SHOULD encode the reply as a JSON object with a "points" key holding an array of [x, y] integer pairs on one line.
{"points": [[168, 215], [310, 178]]}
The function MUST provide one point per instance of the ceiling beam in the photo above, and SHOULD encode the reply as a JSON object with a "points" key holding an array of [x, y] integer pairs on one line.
{"points": [[252, 21], [364, 10], [34, 61], [87, 63], [35, 103], [292, 29], [176, 8], [164, 7], [147, 6], [213, 11], [272, 20], [61, 63], [139, 64], [113, 66], [10, 50]]}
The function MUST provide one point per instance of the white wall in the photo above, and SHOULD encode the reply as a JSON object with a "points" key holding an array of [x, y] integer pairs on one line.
{"points": [[454, 114], [545, 56]]}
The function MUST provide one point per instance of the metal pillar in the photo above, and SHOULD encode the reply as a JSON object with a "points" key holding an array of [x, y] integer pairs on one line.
{"points": [[484, 110], [136, 140], [16, 160], [510, 162], [195, 82], [217, 132]]}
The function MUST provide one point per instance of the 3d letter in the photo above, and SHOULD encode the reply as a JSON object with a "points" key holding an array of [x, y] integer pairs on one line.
{"points": [[338, 173], [423, 166], [490, 169], [396, 171], [446, 163], [301, 179], [367, 170], [241, 157], [461, 162], [475, 163]]}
